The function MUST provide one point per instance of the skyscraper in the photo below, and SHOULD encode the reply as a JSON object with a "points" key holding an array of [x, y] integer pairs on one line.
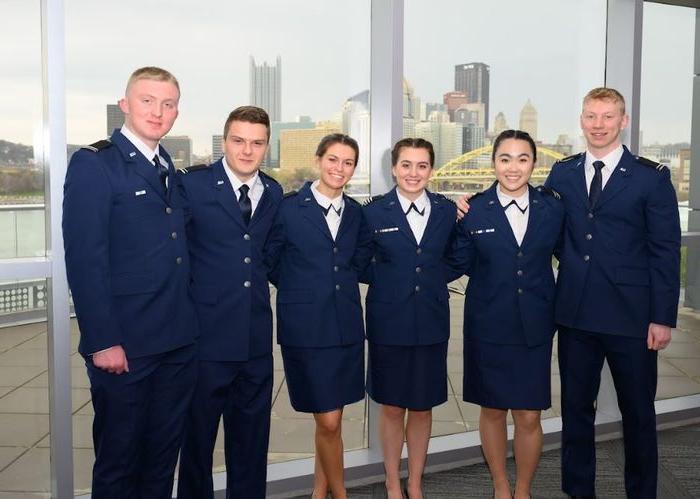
{"points": [[217, 150], [115, 118], [500, 124], [266, 87], [473, 80], [180, 149], [528, 119]]}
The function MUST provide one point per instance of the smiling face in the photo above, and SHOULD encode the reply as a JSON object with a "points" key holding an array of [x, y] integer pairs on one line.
{"points": [[513, 163], [336, 167], [412, 171], [150, 109], [244, 147], [602, 120]]}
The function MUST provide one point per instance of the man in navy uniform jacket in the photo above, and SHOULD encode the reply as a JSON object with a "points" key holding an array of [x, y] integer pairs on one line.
{"points": [[617, 292], [128, 269], [231, 207]]}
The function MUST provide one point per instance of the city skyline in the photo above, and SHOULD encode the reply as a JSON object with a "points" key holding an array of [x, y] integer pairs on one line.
{"points": [[319, 77]]}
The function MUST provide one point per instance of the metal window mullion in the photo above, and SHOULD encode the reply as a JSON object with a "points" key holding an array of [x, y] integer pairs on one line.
{"points": [[54, 162]]}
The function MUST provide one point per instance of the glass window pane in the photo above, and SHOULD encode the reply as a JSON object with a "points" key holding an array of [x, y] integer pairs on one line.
{"points": [[665, 124], [306, 62], [21, 157], [473, 69]]}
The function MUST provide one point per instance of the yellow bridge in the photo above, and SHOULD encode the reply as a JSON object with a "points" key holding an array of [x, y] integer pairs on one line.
{"points": [[473, 170]]}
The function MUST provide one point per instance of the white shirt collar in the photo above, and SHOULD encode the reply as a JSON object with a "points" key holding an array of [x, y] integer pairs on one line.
{"points": [[140, 145], [611, 159], [324, 200], [522, 201], [421, 202], [236, 183]]}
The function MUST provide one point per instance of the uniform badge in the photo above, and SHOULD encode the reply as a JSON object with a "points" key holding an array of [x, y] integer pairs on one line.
{"points": [[387, 229], [139, 193]]}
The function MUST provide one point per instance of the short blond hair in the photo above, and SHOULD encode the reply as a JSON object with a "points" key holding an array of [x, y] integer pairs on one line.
{"points": [[605, 93], [152, 73]]}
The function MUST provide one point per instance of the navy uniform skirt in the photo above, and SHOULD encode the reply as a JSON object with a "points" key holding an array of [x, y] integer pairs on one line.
{"points": [[507, 376], [324, 379], [412, 377]]}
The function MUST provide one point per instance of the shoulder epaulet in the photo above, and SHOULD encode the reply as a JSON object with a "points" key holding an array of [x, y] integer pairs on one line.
{"points": [[372, 199], [99, 145], [548, 190], [445, 198], [651, 164], [267, 176], [193, 168], [569, 158], [351, 199], [290, 194]]}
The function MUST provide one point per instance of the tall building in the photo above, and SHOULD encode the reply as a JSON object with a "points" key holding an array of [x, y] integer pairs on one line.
{"points": [[528, 119], [356, 123], [446, 139], [115, 118], [473, 137], [411, 103], [431, 107], [500, 124], [217, 151], [266, 87], [180, 149], [273, 152], [471, 113], [473, 80], [454, 100], [298, 147]]}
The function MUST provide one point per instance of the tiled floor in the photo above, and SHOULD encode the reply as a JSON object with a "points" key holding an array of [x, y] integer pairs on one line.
{"points": [[24, 421]]}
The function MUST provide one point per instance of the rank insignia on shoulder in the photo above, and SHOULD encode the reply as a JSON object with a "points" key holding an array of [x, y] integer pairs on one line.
{"points": [[572, 157], [290, 194], [372, 199], [98, 146], [548, 190], [651, 164], [193, 168]]}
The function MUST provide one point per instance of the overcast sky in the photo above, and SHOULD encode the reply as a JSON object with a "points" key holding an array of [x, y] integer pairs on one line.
{"points": [[551, 55]]}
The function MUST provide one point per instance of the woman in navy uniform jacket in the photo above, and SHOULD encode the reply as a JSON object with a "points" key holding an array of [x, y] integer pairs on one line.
{"points": [[319, 314], [408, 315], [505, 244]]}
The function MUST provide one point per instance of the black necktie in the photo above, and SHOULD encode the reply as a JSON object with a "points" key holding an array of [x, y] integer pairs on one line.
{"points": [[512, 202], [245, 204], [162, 171], [596, 183], [326, 211], [414, 207]]}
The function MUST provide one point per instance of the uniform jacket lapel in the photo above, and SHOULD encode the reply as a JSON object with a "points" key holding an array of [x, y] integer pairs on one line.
{"points": [[437, 214], [537, 214], [225, 194], [496, 215], [396, 214], [350, 211], [577, 177], [618, 181], [310, 210], [142, 166]]}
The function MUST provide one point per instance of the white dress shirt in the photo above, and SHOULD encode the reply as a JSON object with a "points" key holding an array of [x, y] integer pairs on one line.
{"points": [[516, 218], [335, 213], [416, 221], [255, 186], [611, 160]]}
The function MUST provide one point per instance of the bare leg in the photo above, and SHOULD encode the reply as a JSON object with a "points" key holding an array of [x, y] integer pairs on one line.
{"points": [[494, 438], [329, 452], [417, 438], [527, 447], [320, 481], [391, 429]]}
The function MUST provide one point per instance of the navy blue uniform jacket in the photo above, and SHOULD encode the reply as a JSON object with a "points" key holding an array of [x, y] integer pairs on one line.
{"points": [[318, 298], [619, 264], [126, 252], [510, 295], [407, 299], [229, 278]]}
